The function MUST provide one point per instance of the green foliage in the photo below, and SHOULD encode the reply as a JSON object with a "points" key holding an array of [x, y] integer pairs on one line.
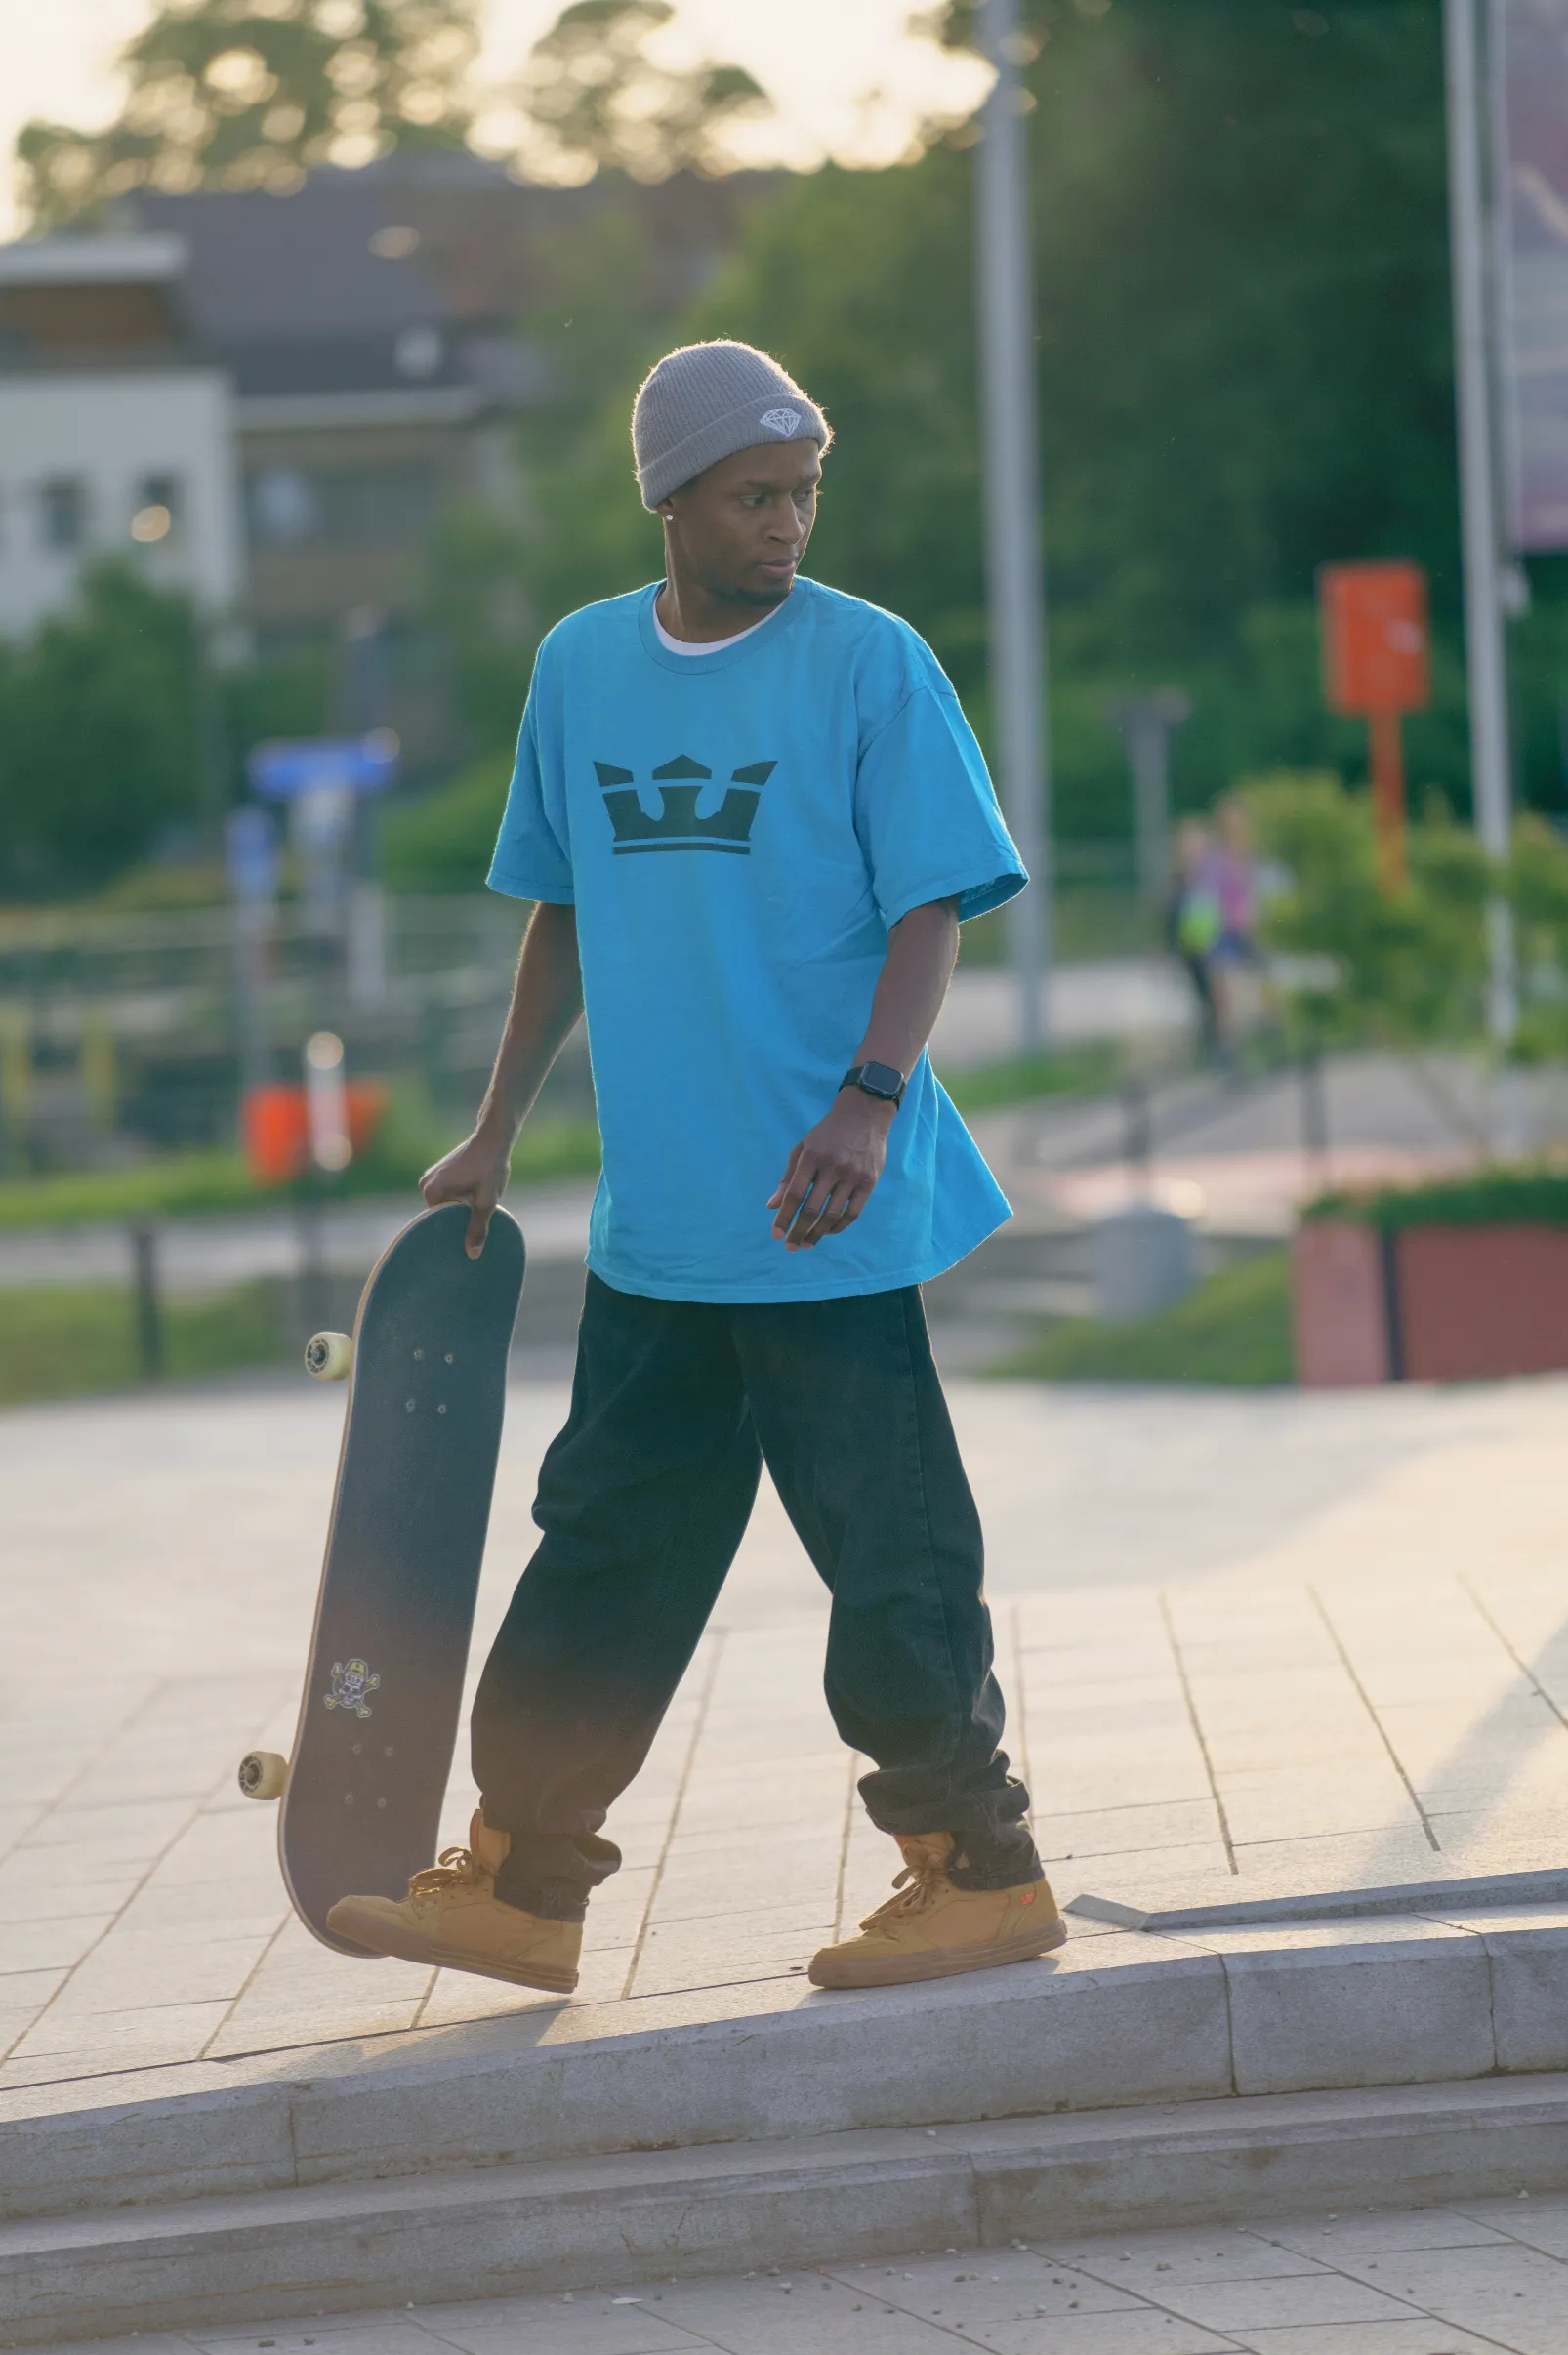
{"points": [[99, 734], [245, 93], [284, 693], [67, 1340], [1407, 968], [445, 843], [477, 597], [1244, 372], [599, 99], [102, 718], [1025, 1078], [1538, 890], [1233, 1330], [250, 93], [1242, 283], [1507, 1194]]}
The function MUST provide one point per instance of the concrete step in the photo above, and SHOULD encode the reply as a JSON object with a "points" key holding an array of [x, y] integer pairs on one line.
{"points": [[507, 2230], [1115, 2020]]}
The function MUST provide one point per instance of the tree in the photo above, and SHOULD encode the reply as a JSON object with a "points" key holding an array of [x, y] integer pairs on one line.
{"points": [[1244, 371], [1406, 969], [594, 94], [244, 93], [100, 747]]}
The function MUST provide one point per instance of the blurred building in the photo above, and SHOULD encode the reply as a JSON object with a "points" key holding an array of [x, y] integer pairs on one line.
{"points": [[116, 431], [313, 378]]}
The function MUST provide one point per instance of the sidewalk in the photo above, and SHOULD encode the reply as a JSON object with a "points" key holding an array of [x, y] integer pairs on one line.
{"points": [[1439, 2282], [1253, 1645], [1264, 1644]]}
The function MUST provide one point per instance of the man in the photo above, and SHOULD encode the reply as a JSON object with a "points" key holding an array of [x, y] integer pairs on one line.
{"points": [[751, 816]]}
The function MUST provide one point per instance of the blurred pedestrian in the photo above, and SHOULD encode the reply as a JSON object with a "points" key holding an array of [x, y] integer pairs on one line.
{"points": [[1238, 973], [1192, 921]]}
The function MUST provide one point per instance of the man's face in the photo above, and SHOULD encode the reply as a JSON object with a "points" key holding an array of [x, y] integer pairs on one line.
{"points": [[740, 530]]}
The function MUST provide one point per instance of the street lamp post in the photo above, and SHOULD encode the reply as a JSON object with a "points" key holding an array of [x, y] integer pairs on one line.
{"points": [[1485, 653], [1014, 567]]}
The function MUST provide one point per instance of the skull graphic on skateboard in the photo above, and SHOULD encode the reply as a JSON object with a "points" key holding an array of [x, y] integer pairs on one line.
{"points": [[425, 1368]]}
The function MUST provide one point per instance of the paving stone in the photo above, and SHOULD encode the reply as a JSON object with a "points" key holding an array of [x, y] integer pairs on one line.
{"points": [[1119, 2333], [1328, 2240], [1424, 2338], [965, 2287], [809, 2317], [1157, 2262], [590, 2325]]}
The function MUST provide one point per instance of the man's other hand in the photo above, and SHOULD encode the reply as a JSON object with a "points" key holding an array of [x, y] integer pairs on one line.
{"points": [[477, 1173], [831, 1172]]}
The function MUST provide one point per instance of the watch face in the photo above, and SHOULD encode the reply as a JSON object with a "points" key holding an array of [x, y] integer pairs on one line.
{"points": [[880, 1079]]}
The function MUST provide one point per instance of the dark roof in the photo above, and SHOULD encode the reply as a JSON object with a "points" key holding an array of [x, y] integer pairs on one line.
{"points": [[289, 294]]}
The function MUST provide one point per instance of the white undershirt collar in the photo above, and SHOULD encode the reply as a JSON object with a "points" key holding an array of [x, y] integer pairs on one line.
{"points": [[709, 646]]}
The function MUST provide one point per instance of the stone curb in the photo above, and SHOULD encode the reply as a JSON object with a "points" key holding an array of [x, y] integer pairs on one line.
{"points": [[500, 2231], [1116, 2022]]}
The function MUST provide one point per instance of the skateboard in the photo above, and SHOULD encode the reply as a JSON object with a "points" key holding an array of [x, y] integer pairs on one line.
{"points": [[426, 1367]]}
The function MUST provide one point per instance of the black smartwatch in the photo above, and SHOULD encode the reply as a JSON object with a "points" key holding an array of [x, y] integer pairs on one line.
{"points": [[879, 1079]]}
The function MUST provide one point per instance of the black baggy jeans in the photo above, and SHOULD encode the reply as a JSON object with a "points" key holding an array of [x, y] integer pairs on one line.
{"points": [[643, 1499]]}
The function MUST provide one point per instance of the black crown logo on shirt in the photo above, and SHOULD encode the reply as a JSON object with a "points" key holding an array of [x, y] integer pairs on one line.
{"points": [[677, 827]]}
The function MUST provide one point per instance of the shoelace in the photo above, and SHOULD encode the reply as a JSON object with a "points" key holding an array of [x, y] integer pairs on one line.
{"points": [[924, 1880], [453, 1869]]}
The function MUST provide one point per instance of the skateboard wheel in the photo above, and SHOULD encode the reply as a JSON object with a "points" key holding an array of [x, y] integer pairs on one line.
{"points": [[263, 1773], [329, 1355]]}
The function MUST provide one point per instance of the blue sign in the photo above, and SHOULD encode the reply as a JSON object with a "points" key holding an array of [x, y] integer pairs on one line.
{"points": [[355, 764], [253, 861]]}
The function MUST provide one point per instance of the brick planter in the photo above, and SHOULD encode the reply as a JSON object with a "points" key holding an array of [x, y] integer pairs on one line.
{"points": [[1428, 1304]]}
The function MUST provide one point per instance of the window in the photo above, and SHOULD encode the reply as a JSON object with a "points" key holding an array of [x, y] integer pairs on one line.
{"points": [[62, 511], [157, 510], [282, 505], [376, 502], [353, 504]]}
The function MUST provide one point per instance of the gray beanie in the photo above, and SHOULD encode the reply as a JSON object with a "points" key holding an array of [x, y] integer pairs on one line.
{"points": [[708, 400]]}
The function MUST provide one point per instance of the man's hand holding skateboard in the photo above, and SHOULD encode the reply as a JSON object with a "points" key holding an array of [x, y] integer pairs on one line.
{"points": [[475, 1172]]}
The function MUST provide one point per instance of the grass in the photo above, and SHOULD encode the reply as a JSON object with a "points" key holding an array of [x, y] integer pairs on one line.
{"points": [[1233, 1331], [1024, 1078], [179, 1184], [65, 1341]]}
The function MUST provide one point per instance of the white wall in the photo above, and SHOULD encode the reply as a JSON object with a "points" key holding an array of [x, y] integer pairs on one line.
{"points": [[109, 429]]}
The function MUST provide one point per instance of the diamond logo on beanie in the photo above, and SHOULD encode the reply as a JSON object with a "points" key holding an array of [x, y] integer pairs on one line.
{"points": [[781, 422]]}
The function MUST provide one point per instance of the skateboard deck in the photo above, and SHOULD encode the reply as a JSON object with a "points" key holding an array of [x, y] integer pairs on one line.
{"points": [[384, 1683]]}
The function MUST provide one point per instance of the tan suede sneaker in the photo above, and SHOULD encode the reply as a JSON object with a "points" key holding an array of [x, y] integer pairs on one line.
{"points": [[932, 1931], [453, 1916]]}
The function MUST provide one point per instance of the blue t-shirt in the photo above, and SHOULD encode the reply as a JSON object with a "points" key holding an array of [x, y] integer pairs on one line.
{"points": [[738, 832]]}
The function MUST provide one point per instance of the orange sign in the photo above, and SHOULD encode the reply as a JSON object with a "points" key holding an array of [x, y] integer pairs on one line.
{"points": [[277, 1128], [1377, 644]]}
